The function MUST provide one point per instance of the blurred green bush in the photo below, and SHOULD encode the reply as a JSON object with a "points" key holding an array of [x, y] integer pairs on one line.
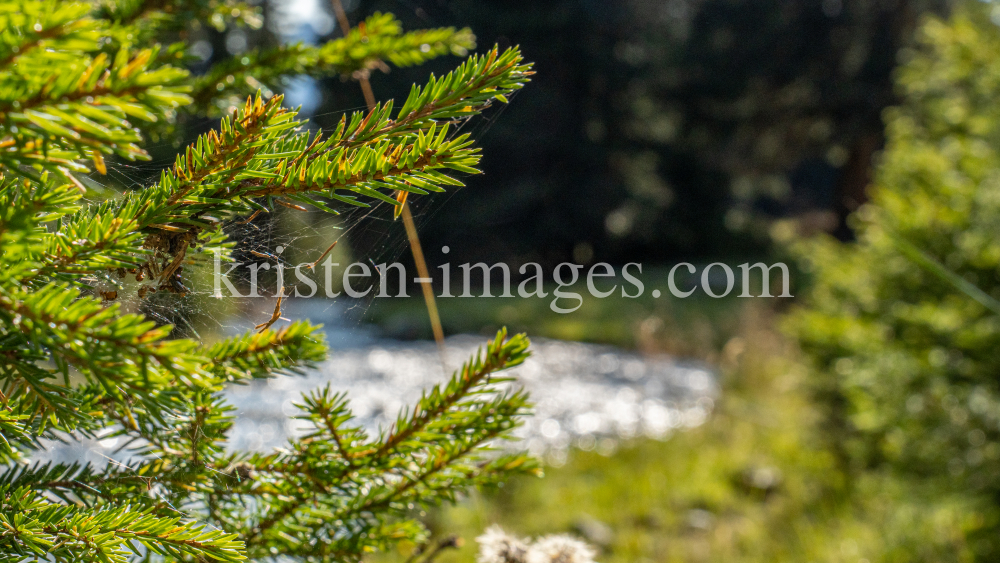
{"points": [[902, 328], [879, 438]]}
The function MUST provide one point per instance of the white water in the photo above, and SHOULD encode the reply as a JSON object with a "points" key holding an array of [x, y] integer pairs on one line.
{"points": [[585, 395]]}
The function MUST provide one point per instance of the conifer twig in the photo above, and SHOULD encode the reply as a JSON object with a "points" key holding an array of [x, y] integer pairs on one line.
{"points": [[275, 315], [425, 284], [76, 94], [362, 75], [411, 229]]}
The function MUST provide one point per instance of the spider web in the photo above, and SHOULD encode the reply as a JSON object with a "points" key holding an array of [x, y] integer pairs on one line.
{"points": [[586, 395], [646, 397], [284, 236]]}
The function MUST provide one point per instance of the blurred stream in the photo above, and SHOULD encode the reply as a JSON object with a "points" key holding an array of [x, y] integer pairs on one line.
{"points": [[585, 395]]}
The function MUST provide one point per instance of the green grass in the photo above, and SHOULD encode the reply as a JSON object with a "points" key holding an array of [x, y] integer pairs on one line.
{"points": [[754, 484], [694, 327], [720, 492]]}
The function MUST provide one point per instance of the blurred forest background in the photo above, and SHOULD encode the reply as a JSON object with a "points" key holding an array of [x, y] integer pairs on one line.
{"points": [[661, 130], [655, 130], [856, 139]]}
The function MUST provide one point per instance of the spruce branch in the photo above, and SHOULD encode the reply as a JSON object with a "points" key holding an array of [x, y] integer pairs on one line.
{"points": [[289, 350], [74, 91], [139, 20], [28, 27], [34, 529], [24, 209], [69, 101], [258, 154], [455, 426], [124, 355], [497, 355], [64, 99], [378, 39]]}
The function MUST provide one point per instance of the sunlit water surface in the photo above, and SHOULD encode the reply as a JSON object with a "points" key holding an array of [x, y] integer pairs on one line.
{"points": [[584, 395]]}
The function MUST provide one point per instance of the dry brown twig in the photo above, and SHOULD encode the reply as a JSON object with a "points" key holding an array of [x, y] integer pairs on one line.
{"points": [[274, 316], [322, 256], [401, 209]]}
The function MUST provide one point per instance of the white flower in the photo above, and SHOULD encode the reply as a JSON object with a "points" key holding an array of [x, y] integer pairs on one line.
{"points": [[496, 546], [560, 549]]}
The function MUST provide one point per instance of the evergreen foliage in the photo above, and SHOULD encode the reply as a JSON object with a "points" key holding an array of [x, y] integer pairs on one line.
{"points": [[74, 92], [903, 327]]}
